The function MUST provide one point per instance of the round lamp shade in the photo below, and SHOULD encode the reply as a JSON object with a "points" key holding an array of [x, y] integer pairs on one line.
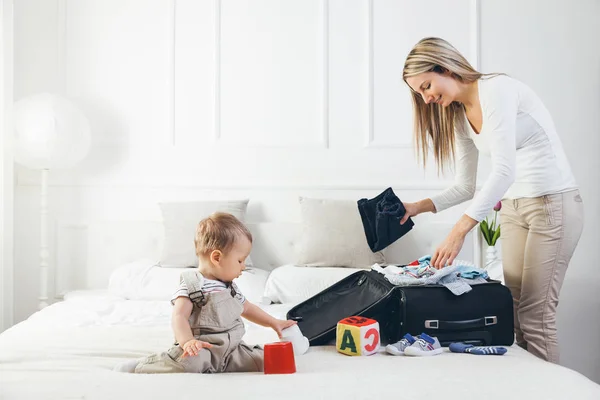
{"points": [[50, 132]]}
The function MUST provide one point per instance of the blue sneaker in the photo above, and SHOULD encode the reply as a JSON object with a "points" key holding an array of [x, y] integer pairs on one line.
{"points": [[397, 349], [424, 346]]}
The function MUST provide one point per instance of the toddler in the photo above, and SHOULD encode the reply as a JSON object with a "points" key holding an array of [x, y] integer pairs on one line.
{"points": [[207, 308]]}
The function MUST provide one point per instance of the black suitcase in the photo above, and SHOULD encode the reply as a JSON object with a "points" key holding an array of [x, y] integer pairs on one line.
{"points": [[482, 316]]}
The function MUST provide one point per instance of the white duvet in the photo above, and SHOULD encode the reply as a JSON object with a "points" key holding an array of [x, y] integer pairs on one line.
{"points": [[67, 351]]}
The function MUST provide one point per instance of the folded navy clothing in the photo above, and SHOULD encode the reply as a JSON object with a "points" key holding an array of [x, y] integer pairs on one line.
{"points": [[381, 217]]}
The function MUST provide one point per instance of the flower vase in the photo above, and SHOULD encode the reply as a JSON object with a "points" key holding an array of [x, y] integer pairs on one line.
{"points": [[491, 256]]}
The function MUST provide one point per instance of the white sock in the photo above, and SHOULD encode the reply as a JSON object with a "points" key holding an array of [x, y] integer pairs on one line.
{"points": [[126, 366]]}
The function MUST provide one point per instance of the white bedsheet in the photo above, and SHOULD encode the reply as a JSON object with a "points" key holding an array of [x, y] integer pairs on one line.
{"points": [[67, 351]]}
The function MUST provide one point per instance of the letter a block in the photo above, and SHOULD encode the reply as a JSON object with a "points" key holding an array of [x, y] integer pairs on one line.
{"points": [[357, 336]]}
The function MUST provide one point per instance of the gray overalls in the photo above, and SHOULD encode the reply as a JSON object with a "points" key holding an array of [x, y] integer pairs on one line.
{"points": [[215, 319]]}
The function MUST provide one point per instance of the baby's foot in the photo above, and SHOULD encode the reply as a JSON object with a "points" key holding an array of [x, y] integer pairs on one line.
{"points": [[126, 366]]}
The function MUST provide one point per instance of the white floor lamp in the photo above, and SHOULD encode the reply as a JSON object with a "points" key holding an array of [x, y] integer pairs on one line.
{"points": [[50, 132]]}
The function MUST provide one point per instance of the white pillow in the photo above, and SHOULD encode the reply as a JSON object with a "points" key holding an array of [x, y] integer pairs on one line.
{"points": [[252, 284], [332, 235], [181, 219], [294, 284], [146, 280]]}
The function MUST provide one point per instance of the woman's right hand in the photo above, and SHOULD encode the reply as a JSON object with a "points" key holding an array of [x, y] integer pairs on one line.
{"points": [[193, 346], [412, 209]]}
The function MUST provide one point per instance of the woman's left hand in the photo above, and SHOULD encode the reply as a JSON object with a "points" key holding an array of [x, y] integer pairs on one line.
{"points": [[447, 251]]}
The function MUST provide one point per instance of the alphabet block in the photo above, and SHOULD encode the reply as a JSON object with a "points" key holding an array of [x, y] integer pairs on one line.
{"points": [[357, 336]]}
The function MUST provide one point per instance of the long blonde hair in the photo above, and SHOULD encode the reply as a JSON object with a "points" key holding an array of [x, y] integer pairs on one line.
{"points": [[433, 124]]}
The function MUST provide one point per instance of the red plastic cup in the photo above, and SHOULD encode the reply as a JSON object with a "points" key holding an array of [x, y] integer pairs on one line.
{"points": [[279, 358]]}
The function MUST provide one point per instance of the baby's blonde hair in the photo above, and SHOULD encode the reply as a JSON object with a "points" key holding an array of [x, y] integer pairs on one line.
{"points": [[219, 231]]}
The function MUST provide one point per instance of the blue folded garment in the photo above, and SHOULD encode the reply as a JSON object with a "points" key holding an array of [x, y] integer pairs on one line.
{"points": [[381, 217]]}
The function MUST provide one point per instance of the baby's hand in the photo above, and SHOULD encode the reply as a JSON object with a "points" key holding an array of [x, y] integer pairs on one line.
{"points": [[281, 324], [193, 346]]}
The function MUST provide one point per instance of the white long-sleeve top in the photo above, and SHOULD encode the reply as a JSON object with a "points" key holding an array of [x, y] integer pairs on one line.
{"points": [[520, 137]]}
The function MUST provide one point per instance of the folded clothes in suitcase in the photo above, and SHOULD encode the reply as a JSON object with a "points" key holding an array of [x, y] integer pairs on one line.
{"points": [[482, 316]]}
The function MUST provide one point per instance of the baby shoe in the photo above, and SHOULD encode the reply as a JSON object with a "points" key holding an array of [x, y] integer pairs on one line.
{"points": [[397, 349], [425, 345]]}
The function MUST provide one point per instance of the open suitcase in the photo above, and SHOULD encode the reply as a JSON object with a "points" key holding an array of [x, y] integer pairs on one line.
{"points": [[482, 316]]}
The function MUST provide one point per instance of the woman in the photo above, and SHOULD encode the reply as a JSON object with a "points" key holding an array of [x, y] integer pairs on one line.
{"points": [[460, 112]]}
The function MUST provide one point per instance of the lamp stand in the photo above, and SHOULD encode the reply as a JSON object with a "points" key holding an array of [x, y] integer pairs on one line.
{"points": [[44, 254]]}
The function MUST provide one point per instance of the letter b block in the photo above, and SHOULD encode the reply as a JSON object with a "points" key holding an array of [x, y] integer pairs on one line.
{"points": [[357, 336]]}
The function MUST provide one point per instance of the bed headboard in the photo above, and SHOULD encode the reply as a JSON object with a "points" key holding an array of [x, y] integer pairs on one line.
{"points": [[87, 252]]}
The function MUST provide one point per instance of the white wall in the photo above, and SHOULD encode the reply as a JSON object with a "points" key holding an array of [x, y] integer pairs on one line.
{"points": [[552, 45], [6, 165], [272, 99]]}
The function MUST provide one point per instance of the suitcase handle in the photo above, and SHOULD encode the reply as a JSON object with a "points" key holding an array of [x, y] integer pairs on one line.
{"points": [[464, 324]]}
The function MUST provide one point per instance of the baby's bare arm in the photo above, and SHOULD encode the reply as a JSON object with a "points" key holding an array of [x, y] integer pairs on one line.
{"points": [[179, 321], [255, 314]]}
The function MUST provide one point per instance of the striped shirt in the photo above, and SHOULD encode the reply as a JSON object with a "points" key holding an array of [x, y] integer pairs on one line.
{"points": [[209, 286]]}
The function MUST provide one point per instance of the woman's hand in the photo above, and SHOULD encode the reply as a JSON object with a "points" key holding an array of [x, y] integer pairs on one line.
{"points": [[411, 210], [414, 209], [447, 251]]}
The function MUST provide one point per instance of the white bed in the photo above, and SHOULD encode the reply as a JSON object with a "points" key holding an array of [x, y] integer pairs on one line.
{"points": [[68, 350]]}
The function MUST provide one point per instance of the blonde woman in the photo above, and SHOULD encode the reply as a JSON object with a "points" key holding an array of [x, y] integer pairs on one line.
{"points": [[459, 113]]}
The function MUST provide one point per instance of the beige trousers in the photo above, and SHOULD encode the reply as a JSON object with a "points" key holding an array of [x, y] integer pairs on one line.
{"points": [[215, 319], [539, 236]]}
